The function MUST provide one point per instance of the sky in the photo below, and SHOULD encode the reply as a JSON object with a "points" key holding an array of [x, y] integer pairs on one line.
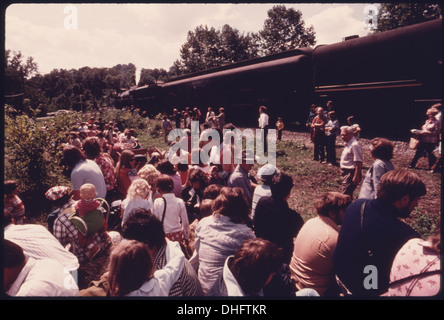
{"points": [[72, 36]]}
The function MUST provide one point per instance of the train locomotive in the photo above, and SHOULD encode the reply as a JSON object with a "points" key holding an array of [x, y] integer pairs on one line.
{"points": [[385, 80]]}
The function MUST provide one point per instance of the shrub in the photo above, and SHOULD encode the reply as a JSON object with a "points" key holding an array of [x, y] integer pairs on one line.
{"points": [[32, 159]]}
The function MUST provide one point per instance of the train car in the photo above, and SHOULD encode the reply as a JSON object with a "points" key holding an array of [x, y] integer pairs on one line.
{"points": [[385, 80], [147, 98], [280, 82]]}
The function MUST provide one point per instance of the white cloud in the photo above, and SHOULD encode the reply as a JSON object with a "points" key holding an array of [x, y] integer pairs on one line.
{"points": [[150, 35], [335, 23]]}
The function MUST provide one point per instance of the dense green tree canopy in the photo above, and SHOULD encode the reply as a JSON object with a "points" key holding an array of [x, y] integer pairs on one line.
{"points": [[396, 15], [207, 48], [283, 30]]}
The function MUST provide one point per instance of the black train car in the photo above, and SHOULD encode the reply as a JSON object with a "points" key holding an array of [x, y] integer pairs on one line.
{"points": [[386, 80], [280, 82]]}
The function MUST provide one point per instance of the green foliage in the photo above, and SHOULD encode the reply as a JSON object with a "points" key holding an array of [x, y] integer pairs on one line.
{"points": [[125, 117], [397, 15], [424, 224], [151, 76], [34, 150], [32, 158], [208, 48], [284, 30]]}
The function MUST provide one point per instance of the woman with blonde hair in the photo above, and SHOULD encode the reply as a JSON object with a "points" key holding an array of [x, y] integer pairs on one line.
{"points": [[150, 173], [138, 196]]}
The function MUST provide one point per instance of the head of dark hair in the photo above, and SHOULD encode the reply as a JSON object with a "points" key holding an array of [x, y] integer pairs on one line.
{"points": [[13, 255], [9, 186], [232, 203], [72, 155], [281, 185], [398, 183], [164, 183], [130, 266], [211, 192], [125, 159], [382, 149], [253, 264], [197, 175], [91, 147], [166, 167], [143, 226], [332, 202]]}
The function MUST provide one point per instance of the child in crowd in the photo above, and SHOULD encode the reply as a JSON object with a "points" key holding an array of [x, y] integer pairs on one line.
{"points": [[12, 202], [89, 215], [171, 210], [138, 197], [280, 127], [167, 127]]}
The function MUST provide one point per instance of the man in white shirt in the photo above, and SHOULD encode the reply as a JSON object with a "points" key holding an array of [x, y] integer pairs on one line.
{"points": [[263, 124], [351, 161], [38, 243], [35, 278]]}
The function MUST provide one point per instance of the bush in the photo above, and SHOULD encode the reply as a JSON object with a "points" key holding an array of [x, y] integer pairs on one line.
{"points": [[32, 158], [34, 151]]}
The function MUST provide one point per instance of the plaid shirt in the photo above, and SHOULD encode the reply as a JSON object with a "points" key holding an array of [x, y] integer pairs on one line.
{"points": [[15, 207], [106, 165], [68, 234], [187, 285]]}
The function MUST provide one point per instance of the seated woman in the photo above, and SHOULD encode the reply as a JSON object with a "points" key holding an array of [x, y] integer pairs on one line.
{"points": [[132, 272], [137, 197], [125, 172], [220, 235], [249, 270], [193, 194]]}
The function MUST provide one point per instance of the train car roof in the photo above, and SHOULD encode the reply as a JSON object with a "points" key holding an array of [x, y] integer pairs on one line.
{"points": [[412, 53], [282, 55]]}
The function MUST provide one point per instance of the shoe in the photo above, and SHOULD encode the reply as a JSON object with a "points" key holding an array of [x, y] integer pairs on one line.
{"points": [[324, 161]]}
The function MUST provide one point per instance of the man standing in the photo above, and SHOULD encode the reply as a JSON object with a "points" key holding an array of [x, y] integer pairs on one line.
{"points": [[372, 233], [264, 124], [351, 162]]}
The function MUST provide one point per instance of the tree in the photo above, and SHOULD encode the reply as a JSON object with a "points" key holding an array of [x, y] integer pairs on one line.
{"points": [[396, 15], [17, 71], [208, 48], [237, 47], [284, 30], [150, 76]]}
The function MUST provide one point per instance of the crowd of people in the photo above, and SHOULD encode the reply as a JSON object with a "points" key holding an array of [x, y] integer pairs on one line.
{"points": [[212, 228]]}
